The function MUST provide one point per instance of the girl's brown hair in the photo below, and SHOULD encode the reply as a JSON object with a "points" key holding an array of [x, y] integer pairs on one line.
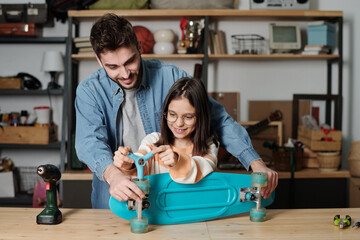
{"points": [[194, 90]]}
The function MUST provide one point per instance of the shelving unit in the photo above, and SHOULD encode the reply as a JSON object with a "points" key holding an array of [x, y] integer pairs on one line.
{"points": [[42, 92], [61, 143], [216, 15]]}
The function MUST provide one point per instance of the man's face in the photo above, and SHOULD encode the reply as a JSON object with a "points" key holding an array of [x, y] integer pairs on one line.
{"points": [[122, 66]]}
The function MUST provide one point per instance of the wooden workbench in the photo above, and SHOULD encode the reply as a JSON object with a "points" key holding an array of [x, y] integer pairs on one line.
{"points": [[20, 223]]}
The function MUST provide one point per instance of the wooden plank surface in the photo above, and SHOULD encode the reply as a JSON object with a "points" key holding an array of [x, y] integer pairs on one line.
{"points": [[146, 56], [224, 56], [207, 12], [20, 223]]}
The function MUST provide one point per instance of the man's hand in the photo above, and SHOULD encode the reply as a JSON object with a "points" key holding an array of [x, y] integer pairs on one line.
{"points": [[272, 182], [121, 160], [167, 155], [121, 186]]}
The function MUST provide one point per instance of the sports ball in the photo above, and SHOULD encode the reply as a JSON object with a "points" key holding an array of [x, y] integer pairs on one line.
{"points": [[145, 39]]}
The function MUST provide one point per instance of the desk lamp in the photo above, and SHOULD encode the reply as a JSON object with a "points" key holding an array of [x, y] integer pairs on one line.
{"points": [[53, 63]]}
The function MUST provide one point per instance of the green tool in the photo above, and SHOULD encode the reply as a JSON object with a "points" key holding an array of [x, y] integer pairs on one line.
{"points": [[51, 214], [342, 222]]}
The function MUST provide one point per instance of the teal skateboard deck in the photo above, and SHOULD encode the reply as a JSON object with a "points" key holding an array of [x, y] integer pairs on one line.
{"points": [[215, 196]]}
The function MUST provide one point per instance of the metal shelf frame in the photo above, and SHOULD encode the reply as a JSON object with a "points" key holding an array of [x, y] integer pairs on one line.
{"points": [[63, 91], [336, 17]]}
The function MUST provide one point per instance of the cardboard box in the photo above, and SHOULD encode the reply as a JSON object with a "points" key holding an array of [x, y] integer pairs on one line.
{"points": [[10, 83], [260, 110], [354, 191], [7, 186], [321, 35], [27, 135], [230, 101], [313, 139]]}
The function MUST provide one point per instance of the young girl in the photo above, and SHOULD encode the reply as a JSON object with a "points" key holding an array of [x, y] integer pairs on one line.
{"points": [[187, 146]]}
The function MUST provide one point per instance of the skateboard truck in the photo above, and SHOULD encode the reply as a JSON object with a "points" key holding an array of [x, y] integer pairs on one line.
{"points": [[342, 223], [253, 194], [139, 224]]}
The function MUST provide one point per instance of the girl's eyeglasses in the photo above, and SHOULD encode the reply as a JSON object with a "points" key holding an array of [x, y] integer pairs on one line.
{"points": [[189, 119]]}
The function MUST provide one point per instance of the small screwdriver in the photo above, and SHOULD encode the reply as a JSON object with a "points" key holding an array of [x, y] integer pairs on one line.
{"points": [[357, 224]]}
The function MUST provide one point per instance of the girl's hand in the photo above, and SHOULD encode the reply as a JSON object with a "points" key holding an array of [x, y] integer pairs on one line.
{"points": [[167, 155], [121, 160]]}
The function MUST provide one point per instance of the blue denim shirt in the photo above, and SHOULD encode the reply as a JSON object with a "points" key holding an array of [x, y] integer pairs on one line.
{"points": [[97, 105]]}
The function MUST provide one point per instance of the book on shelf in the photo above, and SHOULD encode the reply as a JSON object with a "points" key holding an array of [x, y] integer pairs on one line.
{"points": [[83, 44], [217, 42], [81, 39], [314, 53], [86, 53], [317, 23], [320, 23], [86, 49], [317, 49]]}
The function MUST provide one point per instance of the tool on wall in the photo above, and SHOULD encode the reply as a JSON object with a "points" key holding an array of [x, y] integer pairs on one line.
{"points": [[342, 223], [51, 214]]}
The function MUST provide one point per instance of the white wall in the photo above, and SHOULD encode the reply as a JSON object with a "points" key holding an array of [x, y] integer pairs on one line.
{"points": [[255, 80]]}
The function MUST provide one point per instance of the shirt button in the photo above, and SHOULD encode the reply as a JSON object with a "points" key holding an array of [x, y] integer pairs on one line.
{"points": [[119, 98]]}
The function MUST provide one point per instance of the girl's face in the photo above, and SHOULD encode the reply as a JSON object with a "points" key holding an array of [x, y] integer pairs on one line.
{"points": [[181, 118]]}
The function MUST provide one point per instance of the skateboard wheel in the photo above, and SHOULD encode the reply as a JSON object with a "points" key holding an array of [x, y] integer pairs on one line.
{"points": [[257, 215], [143, 184], [259, 179], [139, 225]]}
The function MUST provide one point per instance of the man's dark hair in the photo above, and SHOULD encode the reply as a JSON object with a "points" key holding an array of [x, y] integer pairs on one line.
{"points": [[111, 32], [194, 90]]}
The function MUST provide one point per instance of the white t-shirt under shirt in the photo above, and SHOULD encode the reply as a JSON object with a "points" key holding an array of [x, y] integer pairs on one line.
{"points": [[133, 129]]}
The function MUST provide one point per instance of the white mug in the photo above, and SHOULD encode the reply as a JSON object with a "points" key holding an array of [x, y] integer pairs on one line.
{"points": [[43, 114]]}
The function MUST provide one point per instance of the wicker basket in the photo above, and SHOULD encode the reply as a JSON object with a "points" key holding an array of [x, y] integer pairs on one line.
{"points": [[28, 178], [329, 161], [282, 161]]}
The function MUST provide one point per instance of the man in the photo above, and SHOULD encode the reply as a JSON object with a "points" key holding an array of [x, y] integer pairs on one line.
{"points": [[121, 103]]}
